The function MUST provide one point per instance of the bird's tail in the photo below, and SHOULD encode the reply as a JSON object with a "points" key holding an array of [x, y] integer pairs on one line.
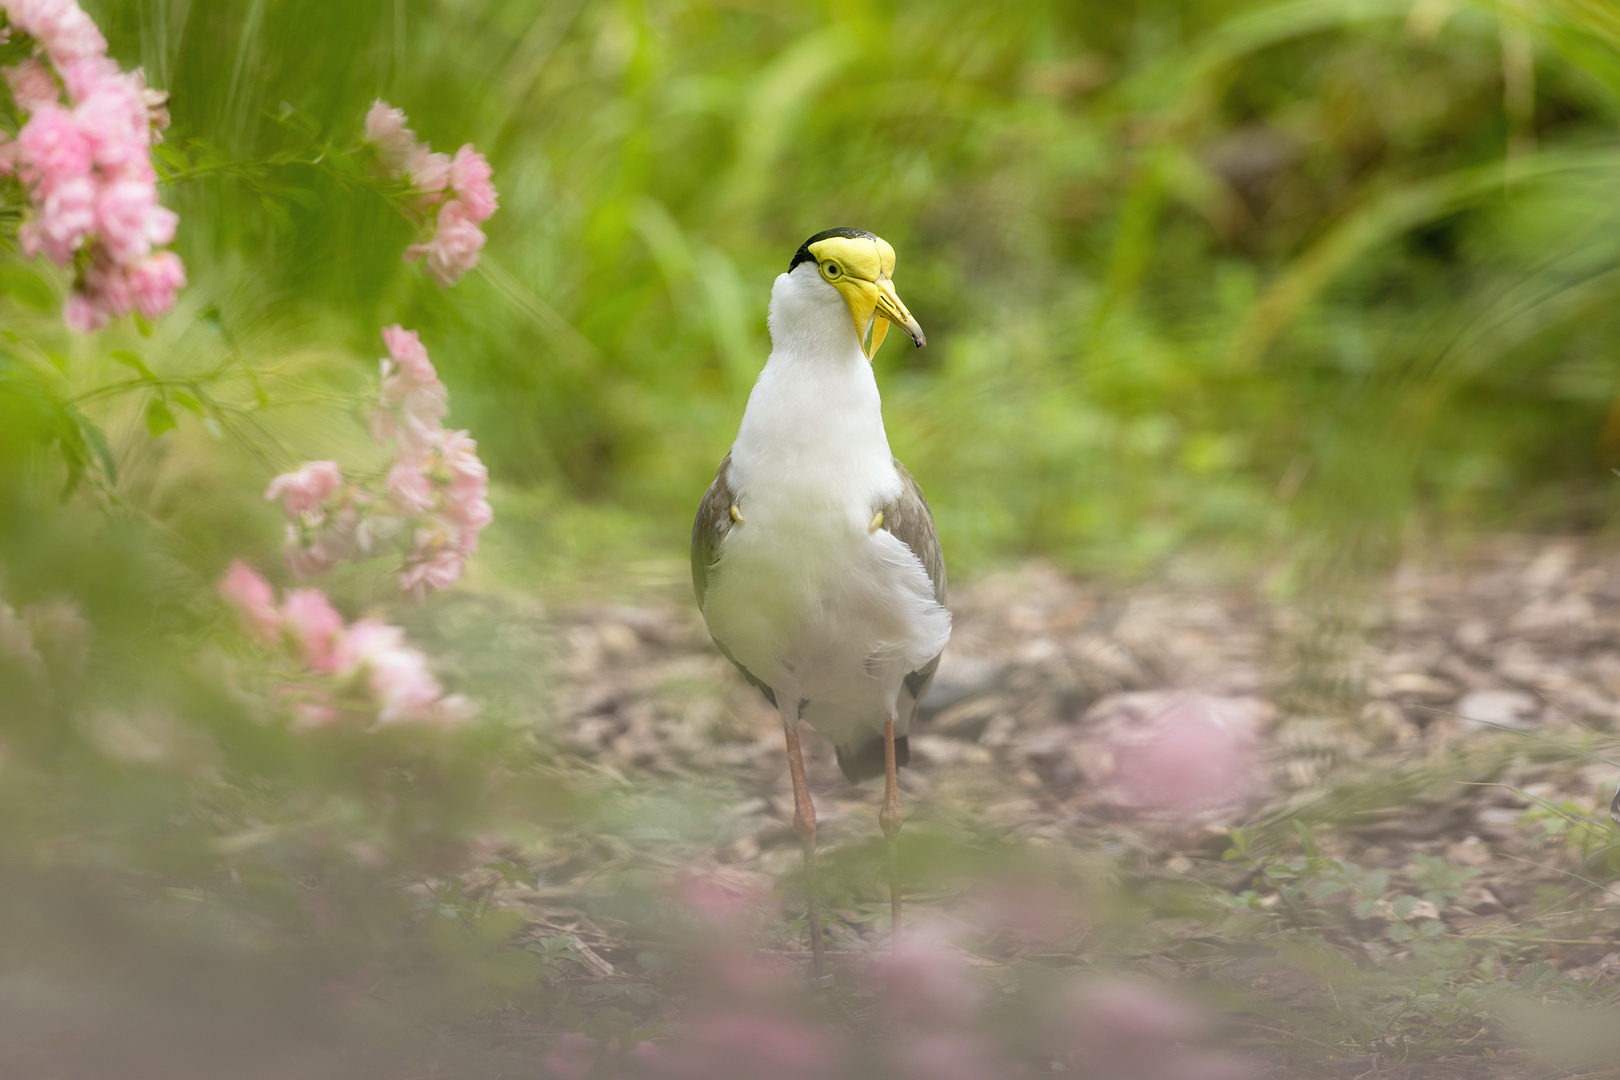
{"points": [[862, 761]]}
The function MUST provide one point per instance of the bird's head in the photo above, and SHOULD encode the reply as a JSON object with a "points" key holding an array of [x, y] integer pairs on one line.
{"points": [[859, 265]]}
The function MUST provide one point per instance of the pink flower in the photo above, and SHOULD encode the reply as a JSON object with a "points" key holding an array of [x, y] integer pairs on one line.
{"points": [[314, 624], [471, 519], [89, 169], [130, 220], [154, 281], [455, 245], [927, 980], [1130, 1027], [458, 453], [470, 178], [573, 1058], [254, 601], [1184, 751], [304, 491], [316, 713], [84, 76], [386, 130], [410, 488], [405, 348], [32, 84], [722, 905], [82, 314], [429, 172], [60, 26], [437, 571], [955, 1055], [396, 675], [114, 117], [65, 219], [414, 399], [52, 148]]}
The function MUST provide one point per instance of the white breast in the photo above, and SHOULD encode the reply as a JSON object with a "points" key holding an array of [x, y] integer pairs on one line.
{"points": [[803, 594]]}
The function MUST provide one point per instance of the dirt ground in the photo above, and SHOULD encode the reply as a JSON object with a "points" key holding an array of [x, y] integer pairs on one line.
{"points": [[1387, 723]]}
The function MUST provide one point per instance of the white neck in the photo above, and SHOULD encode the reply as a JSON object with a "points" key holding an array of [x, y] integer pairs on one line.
{"points": [[812, 434]]}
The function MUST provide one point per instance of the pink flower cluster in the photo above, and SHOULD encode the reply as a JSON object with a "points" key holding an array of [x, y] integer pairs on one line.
{"points": [[85, 156], [434, 499], [937, 1016], [454, 193], [361, 672]]}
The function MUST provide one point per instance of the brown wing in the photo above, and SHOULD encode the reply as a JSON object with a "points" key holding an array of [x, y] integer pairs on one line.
{"points": [[909, 520], [711, 525], [709, 528]]}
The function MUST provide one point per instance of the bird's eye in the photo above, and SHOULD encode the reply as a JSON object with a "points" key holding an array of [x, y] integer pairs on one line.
{"points": [[831, 270]]}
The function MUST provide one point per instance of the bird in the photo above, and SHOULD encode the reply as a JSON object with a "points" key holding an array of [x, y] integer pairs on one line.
{"points": [[815, 558]]}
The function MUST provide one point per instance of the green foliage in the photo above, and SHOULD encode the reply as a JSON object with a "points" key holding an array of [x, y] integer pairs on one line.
{"points": [[1231, 273]]}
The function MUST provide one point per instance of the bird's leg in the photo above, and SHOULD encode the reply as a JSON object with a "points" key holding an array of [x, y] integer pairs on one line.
{"points": [[804, 826], [889, 818]]}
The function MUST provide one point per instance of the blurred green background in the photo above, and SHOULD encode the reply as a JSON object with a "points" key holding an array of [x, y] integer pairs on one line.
{"points": [[1259, 279]]}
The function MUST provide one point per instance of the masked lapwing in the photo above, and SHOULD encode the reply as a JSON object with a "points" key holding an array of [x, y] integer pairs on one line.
{"points": [[814, 555]]}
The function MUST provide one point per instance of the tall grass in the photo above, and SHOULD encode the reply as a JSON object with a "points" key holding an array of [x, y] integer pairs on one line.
{"points": [[1206, 272]]}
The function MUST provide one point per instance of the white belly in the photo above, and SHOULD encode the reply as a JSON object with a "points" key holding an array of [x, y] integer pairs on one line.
{"points": [[825, 612]]}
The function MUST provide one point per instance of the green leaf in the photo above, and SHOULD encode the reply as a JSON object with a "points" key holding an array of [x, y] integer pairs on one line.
{"points": [[130, 360], [158, 418], [27, 288], [1306, 840], [171, 157], [143, 327], [307, 199], [187, 402]]}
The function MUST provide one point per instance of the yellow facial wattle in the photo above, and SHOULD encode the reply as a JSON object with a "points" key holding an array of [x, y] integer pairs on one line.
{"points": [[860, 268]]}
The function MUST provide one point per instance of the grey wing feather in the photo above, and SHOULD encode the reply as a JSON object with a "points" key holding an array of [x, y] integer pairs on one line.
{"points": [[909, 520], [709, 528]]}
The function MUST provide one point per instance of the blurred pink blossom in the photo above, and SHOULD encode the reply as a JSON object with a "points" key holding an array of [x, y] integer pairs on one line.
{"points": [[408, 354], [1131, 1029], [304, 491], [410, 488], [32, 84], [363, 670], [951, 1055], [87, 165], [430, 569], [130, 220], [573, 1058], [455, 246], [455, 194], [926, 980], [64, 220], [436, 485], [429, 172], [386, 130], [719, 903], [468, 476], [314, 624], [1177, 752], [470, 176], [253, 600], [52, 148], [61, 27], [154, 281], [413, 399], [396, 674]]}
